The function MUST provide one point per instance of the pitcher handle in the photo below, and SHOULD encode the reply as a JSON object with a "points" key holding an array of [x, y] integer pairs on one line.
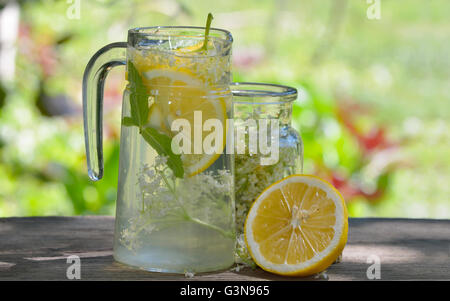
{"points": [[94, 77]]}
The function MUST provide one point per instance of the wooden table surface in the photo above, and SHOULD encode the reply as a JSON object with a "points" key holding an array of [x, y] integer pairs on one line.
{"points": [[36, 248]]}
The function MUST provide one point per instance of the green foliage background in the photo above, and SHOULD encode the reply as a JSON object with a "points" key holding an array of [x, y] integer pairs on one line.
{"points": [[356, 77]]}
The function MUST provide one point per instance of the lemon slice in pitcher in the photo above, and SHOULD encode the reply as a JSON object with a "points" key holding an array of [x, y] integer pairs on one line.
{"points": [[297, 227], [177, 95]]}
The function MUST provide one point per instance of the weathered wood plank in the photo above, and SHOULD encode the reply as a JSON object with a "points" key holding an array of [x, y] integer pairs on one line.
{"points": [[36, 248]]}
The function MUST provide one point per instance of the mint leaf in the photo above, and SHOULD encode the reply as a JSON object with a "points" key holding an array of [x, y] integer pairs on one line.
{"points": [[128, 121], [139, 117], [138, 97], [162, 144]]}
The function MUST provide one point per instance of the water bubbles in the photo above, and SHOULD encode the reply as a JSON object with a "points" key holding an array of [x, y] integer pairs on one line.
{"points": [[149, 43]]}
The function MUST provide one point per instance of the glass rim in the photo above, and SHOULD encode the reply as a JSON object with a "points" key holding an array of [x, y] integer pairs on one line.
{"points": [[143, 31], [253, 89]]}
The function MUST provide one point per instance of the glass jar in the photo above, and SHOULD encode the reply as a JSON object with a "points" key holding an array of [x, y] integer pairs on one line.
{"points": [[268, 108]]}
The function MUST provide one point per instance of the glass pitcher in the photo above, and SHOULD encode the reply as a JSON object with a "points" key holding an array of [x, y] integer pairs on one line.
{"points": [[175, 202], [258, 102]]}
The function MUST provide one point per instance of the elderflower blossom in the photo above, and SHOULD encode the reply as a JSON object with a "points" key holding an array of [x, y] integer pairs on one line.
{"points": [[164, 199], [251, 178]]}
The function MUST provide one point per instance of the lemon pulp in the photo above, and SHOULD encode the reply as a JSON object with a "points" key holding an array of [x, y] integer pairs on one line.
{"points": [[297, 226]]}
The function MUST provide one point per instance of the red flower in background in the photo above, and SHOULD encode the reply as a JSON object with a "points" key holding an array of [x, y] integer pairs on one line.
{"points": [[374, 139], [379, 155]]}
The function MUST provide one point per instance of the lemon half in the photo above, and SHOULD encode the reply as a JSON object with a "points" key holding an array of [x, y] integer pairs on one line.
{"points": [[298, 226]]}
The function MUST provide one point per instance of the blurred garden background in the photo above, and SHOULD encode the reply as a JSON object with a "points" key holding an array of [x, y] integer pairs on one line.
{"points": [[373, 107]]}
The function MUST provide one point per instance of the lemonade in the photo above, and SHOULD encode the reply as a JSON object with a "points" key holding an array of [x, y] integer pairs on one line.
{"points": [[175, 212]]}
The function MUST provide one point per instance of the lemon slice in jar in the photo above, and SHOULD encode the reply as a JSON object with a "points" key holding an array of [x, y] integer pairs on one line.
{"points": [[298, 226]]}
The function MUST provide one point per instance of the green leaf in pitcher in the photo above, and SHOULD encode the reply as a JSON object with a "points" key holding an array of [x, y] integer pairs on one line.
{"points": [[138, 97], [163, 146], [139, 110], [128, 121]]}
